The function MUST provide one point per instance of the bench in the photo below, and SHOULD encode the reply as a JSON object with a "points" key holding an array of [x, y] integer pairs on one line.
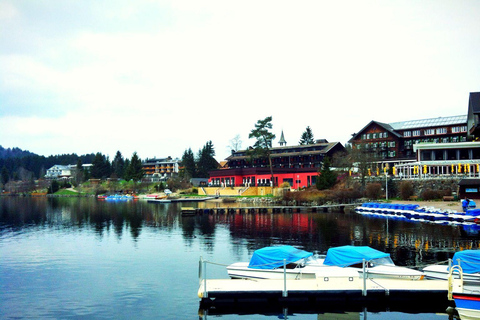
{"points": [[448, 198], [413, 198]]}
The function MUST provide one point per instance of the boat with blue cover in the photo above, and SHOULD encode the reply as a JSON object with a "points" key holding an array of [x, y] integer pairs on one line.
{"points": [[414, 212], [119, 197], [466, 298], [273, 262], [378, 264], [468, 260]]}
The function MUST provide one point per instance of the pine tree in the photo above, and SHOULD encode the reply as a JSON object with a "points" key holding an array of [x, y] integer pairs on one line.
{"points": [[188, 163], [326, 178], [135, 170], [261, 148], [118, 165], [206, 161], [307, 137]]}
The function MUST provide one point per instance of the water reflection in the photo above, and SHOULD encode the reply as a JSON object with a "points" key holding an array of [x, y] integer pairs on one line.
{"points": [[69, 257], [410, 244]]}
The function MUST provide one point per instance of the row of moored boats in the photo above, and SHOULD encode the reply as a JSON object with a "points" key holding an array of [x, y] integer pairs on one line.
{"points": [[287, 262], [414, 212]]}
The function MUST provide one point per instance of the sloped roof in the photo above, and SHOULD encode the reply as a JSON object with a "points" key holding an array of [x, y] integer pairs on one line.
{"points": [[412, 124], [386, 126], [307, 149], [432, 122]]}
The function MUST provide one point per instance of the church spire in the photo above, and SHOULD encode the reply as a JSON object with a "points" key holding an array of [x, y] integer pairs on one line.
{"points": [[282, 141]]}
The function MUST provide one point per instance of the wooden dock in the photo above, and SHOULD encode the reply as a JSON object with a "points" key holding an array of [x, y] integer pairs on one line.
{"points": [[325, 290], [274, 209]]}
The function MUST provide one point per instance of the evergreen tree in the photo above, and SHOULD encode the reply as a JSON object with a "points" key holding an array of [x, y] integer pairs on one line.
{"points": [[307, 137], [118, 165], [79, 172], [4, 175], [188, 163], [206, 161], [326, 178], [261, 148], [100, 167], [135, 170]]}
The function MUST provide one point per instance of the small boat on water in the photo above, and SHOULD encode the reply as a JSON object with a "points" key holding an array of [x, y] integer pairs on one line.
{"points": [[414, 212], [466, 298], [378, 264], [120, 197], [268, 263], [468, 260]]}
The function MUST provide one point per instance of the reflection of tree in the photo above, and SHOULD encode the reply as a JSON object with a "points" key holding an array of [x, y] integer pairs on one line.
{"points": [[411, 244]]}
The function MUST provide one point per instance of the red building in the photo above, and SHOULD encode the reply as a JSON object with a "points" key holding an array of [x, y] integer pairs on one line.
{"points": [[297, 165]]}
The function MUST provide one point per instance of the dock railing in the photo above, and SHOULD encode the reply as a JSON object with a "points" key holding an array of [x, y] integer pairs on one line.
{"points": [[202, 276]]}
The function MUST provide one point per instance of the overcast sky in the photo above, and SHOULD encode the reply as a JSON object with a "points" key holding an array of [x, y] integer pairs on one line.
{"points": [[159, 77]]}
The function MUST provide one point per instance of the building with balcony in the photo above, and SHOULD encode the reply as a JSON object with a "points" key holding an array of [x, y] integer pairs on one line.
{"points": [[394, 142], [297, 165], [160, 169]]}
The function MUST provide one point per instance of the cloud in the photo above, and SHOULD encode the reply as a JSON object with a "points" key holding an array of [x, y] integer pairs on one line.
{"points": [[159, 77]]}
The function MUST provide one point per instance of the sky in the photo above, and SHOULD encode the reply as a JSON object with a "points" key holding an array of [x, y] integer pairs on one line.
{"points": [[160, 77]]}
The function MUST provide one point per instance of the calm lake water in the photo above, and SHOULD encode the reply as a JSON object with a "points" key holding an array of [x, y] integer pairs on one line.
{"points": [[69, 258]]}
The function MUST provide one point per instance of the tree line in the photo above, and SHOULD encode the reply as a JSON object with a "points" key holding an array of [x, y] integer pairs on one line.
{"points": [[21, 165]]}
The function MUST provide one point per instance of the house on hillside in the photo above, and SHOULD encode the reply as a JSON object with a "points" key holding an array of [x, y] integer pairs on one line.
{"points": [[160, 169], [64, 171]]}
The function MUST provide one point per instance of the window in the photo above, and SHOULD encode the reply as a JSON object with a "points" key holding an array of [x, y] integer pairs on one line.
{"points": [[391, 144], [455, 129], [416, 133], [374, 136], [429, 132], [441, 130], [463, 128], [364, 136], [407, 133]]}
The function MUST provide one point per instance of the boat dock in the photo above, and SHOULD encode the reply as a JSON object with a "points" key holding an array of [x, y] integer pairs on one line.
{"points": [[274, 209], [324, 290]]}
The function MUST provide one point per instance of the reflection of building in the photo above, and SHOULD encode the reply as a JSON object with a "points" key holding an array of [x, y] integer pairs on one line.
{"points": [[160, 169], [297, 165], [64, 171]]}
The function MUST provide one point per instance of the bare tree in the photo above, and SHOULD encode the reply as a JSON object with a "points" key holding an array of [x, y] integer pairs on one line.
{"points": [[235, 143]]}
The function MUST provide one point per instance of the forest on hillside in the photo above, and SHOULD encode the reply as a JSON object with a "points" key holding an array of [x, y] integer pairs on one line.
{"points": [[25, 165]]}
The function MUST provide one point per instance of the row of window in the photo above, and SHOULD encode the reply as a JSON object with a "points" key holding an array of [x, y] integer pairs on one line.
{"points": [[409, 143], [375, 145], [431, 132], [376, 135]]}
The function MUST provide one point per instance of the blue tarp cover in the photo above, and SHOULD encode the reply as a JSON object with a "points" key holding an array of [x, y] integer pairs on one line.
{"points": [[272, 257], [347, 255], [469, 260]]}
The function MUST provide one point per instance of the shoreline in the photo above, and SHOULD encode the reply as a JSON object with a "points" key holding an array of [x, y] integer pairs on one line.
{"points": [[450, 205]]}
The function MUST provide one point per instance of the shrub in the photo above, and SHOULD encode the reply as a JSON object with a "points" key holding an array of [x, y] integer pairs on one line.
{"points": [[373, 190], [429, 194], [406, 190]]}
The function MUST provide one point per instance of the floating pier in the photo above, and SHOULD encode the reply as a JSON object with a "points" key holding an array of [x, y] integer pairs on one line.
{"points": [[274, 209], [324, 290]]}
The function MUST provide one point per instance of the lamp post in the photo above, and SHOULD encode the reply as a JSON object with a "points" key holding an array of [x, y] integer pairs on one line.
{"points": [[386, 185]]}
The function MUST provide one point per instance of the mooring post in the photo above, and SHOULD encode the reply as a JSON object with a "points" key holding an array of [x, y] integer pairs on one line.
{"points": [[364, 291], [204, 274], [284, 294]]}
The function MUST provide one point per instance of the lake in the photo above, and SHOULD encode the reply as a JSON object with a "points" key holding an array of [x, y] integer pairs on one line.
{"points": [[81, 258]]}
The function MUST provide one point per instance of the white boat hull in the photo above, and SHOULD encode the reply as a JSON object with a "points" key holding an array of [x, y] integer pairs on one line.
{"points": [[440, 272], [240, 270]]}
